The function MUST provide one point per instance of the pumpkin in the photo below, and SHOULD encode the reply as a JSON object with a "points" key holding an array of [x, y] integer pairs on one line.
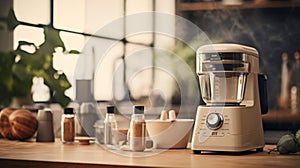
{"points": [[21, 125], [5, 128]]}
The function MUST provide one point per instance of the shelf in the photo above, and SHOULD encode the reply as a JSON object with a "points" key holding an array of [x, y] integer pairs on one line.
{"points": [[197, 6], [281, 120]]}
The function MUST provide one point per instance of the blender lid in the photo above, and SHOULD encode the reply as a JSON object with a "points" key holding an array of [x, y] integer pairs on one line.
{"points": [[227, 48]]}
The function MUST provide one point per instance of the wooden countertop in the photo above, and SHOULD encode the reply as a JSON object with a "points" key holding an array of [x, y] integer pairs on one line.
{"points": [[34, 154]]}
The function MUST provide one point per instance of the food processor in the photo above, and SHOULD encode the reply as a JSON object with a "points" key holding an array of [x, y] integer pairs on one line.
{"points": [[235, 98]]}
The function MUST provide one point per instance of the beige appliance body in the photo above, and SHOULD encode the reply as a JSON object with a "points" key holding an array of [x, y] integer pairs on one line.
{"points": [[223, 126]]}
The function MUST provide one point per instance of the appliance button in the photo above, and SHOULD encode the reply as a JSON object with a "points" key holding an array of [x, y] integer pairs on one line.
{"points": [[214, 121]]}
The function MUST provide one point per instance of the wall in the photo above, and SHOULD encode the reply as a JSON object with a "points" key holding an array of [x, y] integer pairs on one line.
{"points": [[272, 31], [6, 36]]}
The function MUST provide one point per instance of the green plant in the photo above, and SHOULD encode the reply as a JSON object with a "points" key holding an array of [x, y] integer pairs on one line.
{"points": [[182, 55], [19, 67], [287, 144]]}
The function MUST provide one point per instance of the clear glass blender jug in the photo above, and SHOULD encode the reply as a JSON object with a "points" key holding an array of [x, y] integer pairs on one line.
{"points": [[222, 78]]}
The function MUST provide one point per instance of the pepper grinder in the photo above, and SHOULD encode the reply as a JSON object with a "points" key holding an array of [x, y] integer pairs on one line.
{"points": [[45, 129]]}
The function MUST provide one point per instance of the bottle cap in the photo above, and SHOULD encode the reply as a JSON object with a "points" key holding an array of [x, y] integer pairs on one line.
{"points": [[68, 110], [138, 109], [110, 109]]}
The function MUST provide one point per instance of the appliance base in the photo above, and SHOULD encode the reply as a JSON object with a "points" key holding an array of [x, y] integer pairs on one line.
{"points": [[240, 130]]}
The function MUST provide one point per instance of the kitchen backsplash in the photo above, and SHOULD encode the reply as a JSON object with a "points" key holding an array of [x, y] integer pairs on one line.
{"points": [[271, 31]]}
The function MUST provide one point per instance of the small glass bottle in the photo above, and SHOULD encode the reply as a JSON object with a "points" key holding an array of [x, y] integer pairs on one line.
{"points": [[110, 124], [87, 116], [68, 126], [137, 136]]}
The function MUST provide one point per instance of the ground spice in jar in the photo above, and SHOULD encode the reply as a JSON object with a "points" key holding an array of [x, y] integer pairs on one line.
{"points": [[68, 126], [138, 136], [68, 130], [137, 132]]}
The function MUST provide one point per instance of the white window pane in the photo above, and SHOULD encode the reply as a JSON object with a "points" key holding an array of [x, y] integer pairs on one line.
{"points": [[95, 49], [40, 91], [165, 23], [29, 34], [119, 88], [138, 6], [103, 13], [33, 11], [164, 41], [139, 25], [140, 36], [69, 14], [139, 70], [72, 41], [166, 6], [96, 62], [105, 72], [66, 63]]}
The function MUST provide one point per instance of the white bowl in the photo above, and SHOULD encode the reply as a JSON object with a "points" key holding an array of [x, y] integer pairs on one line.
{"points": [[170, 134]]}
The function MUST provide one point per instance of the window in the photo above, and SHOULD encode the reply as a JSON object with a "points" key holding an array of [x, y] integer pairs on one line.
{"points": [[79, 23]]}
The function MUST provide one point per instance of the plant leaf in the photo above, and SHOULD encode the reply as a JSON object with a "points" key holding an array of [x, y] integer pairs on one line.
{"points": [[17, 76], [52, 41], [58, 83], [25, 43], [74, 52], [12, 21], [6, 78]]}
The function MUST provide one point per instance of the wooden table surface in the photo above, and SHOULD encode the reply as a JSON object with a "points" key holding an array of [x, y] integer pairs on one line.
{"points": [[34, 154]]}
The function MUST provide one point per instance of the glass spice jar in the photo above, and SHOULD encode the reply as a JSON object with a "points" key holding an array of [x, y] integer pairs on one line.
{"points": [[137, 136], [68, 126], [110, 124]]}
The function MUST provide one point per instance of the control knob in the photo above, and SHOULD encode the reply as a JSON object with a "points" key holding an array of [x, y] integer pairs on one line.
{"points": [[214, 121]]}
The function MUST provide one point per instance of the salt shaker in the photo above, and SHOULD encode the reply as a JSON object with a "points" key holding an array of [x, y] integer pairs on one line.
{"points": [[45, 129]]}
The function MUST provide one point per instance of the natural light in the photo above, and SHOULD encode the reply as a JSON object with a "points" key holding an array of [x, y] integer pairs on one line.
{"points": [[88, 16]]}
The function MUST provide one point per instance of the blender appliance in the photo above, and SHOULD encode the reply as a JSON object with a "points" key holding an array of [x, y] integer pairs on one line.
{"points": [[235, 98]]}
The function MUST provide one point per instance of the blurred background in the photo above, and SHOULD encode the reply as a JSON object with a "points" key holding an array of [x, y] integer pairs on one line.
{"points": [[270, 26]]}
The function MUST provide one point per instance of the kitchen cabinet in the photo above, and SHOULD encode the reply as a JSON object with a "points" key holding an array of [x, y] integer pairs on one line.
{"points": [[33, 154]]}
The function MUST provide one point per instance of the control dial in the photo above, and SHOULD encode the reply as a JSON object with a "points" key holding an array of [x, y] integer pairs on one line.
{"points": [[214, 121]]}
